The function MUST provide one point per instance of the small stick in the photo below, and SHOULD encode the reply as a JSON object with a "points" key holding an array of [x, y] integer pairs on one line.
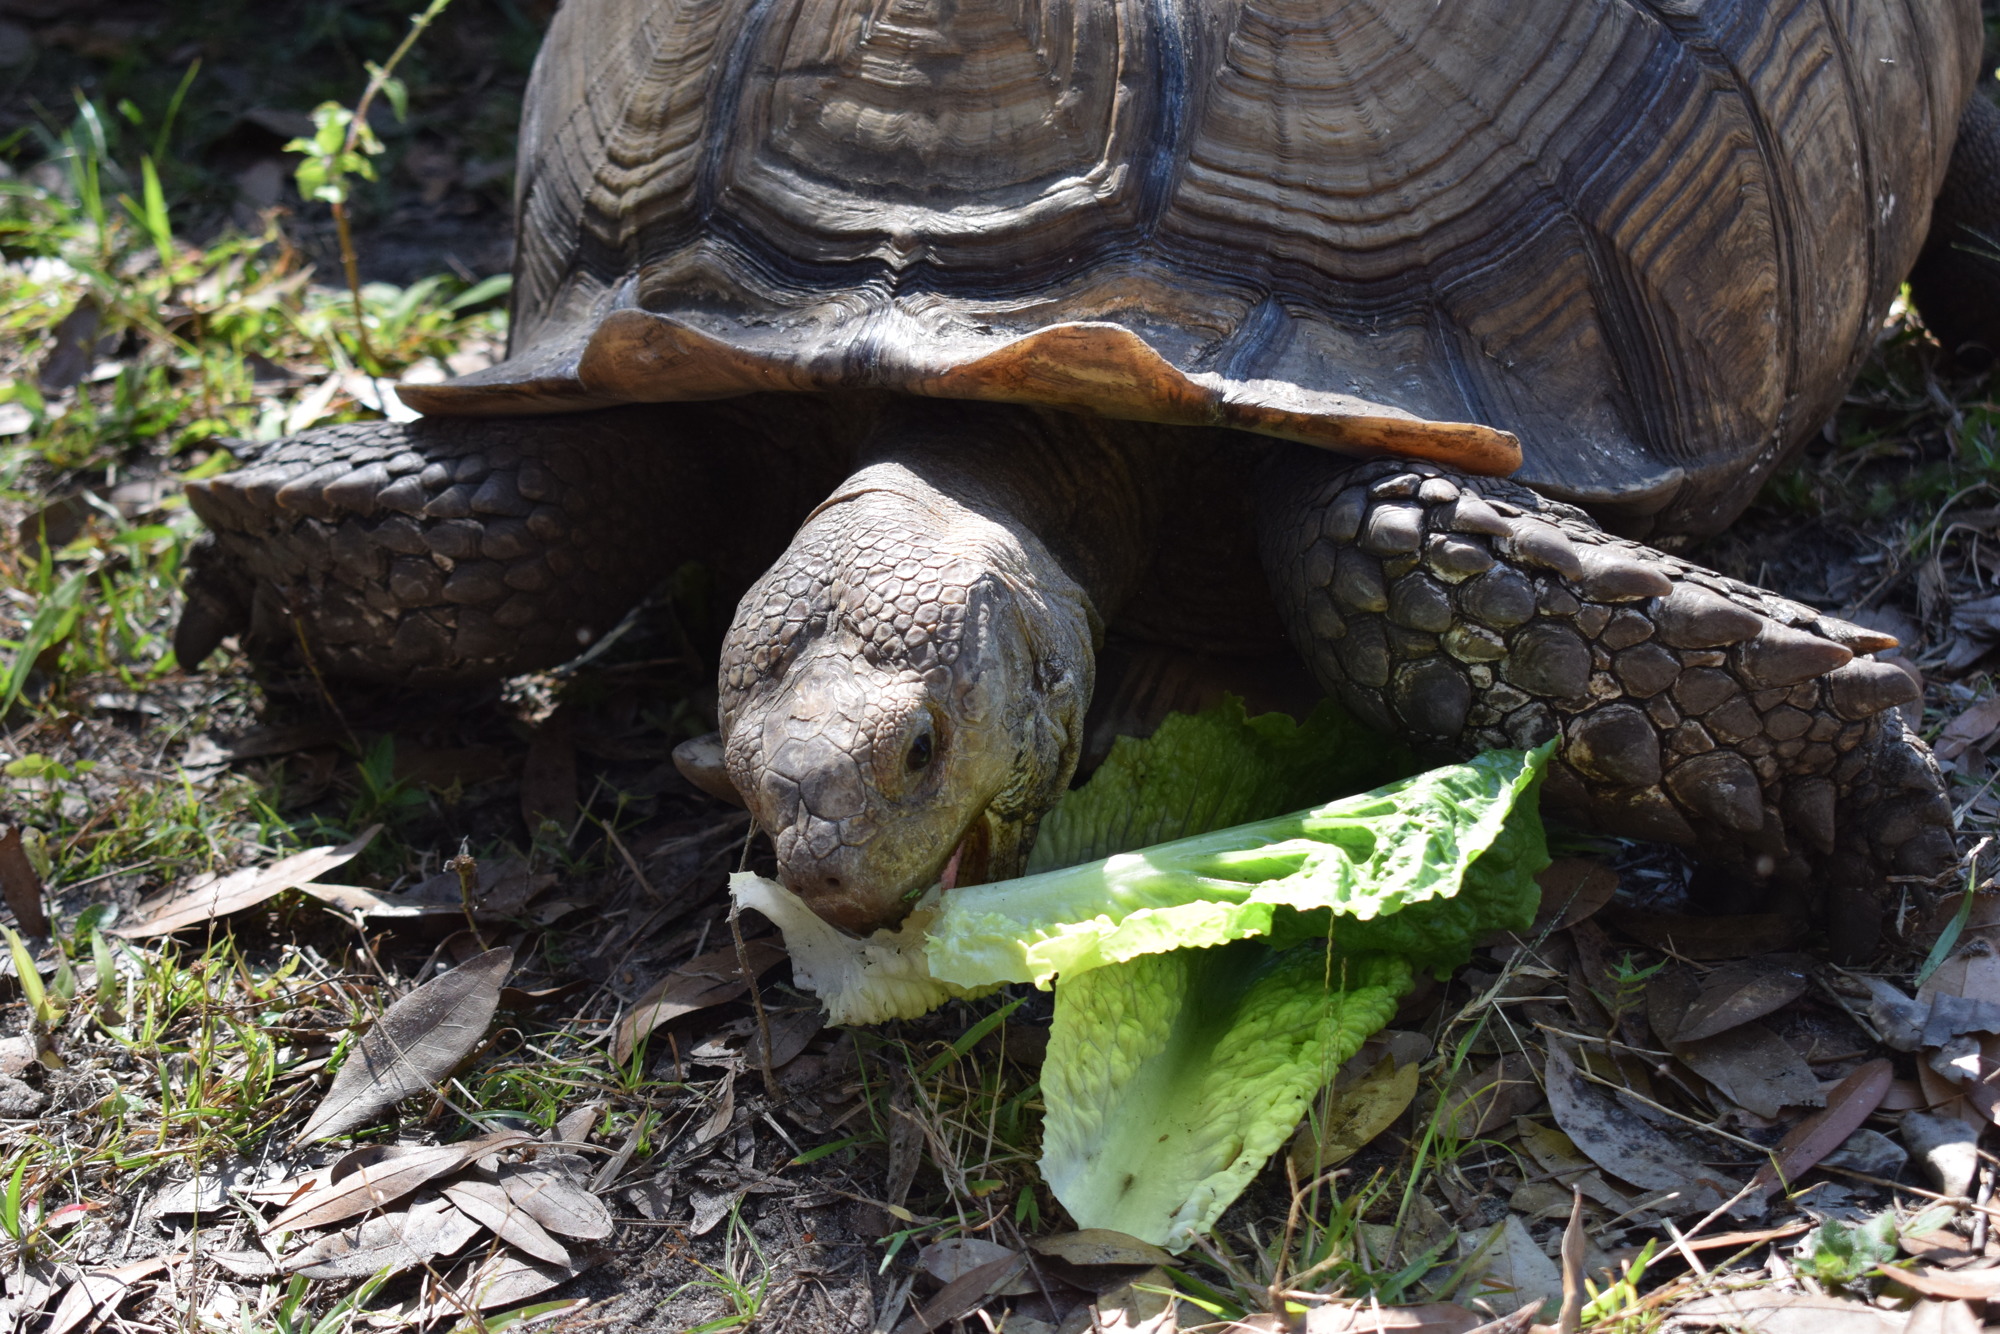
{"points": [[1573, 1244]]}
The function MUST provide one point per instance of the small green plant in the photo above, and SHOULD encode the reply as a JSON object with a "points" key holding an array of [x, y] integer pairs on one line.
{"points": [[340, 147], [1843, 1253], [1628, 978], [1616, 1306]]}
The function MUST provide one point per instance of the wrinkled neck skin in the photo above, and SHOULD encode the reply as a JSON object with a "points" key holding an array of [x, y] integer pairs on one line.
{"points": [[903, 694]]}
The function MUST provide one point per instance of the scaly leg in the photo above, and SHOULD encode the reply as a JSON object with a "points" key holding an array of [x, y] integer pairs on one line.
{"points": [[1692, 709], [447, 551]]}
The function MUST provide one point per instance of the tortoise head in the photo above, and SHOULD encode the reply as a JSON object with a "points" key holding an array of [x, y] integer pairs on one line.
{"points": [[902, 696]]}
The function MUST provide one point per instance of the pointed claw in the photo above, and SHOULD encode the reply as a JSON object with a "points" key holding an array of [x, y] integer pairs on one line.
{"points": [[1868, 686], [1782, 656], [1611, 576]]}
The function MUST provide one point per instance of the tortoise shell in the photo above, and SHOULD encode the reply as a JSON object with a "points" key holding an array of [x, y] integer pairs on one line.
{"points": [[1651, 238]]}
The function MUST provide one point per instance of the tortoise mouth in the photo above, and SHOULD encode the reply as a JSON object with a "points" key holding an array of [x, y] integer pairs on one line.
{"points": [[971, 860]]}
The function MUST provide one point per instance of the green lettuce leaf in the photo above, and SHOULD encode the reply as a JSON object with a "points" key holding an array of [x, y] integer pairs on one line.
{"points": [[859, 980], [1172, 1078], [1209, 770], [1352, 862]]}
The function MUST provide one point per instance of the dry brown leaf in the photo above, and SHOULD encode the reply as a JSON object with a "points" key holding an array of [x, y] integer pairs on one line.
{"points": [[208, 897], [1350, 1118], [1099, 1246], [1368, 1318], [394, 1242], [502, 888], [557, 1203], [966, 1294], [1971, 728], [1736, 1241], [1739, 992], [383, 1183], [1851, 1102], [1557, 1154], [1506, 1270], [1625, 1146], [1482, 1101], [97, 1289], [414, 1045], [487, 1202], [1943, 1318], [953, 1258], [1144, 1305], [1668, 997], [506, 1279], [20, 887], [713, 978], [1970, 1285], [1573, 889], [1769, 1311], [1754, 1068]]}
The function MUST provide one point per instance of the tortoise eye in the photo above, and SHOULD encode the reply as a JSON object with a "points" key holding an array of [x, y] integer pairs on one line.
{"points": [[920, 753]]}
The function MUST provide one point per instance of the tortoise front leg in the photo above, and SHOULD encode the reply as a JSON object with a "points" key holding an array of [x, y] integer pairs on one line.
{"points": [[453, 551], [1692, 709]]}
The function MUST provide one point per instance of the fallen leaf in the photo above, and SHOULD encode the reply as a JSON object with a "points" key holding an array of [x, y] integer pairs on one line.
{"points": [[1509, 1268], [1480, 1102], [20, 886], [1573, 889], [487, 1202], [713, 978], [1970, 1285], [955, 1257], [1739, 992], [1143, 1306], [1625, 1146], [1947, 1146], [502, 887], [1736, 1241], [966, 1294], [504, 1278], [394, 1242], [98, 1289], [1556, 1154], [208, 897], [1349, 1119], [414, 1044], [559, 1204], [1754, 1068], [1769, 1311], [1368, 1318], [1851, 1102], [1971, 728], [1099, 1246], [383, 1183], [1668, 997], [1943, 1318]]}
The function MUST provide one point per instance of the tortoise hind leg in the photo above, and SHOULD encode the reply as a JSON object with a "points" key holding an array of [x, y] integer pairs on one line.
{"points": [[1691, 709], [1956, 283], [449, 551]]}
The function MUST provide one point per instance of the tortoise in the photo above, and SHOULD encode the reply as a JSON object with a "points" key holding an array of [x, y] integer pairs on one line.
{"points": [[973, 336]]}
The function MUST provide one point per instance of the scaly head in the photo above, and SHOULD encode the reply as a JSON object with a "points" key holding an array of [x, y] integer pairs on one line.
{"points": [[902, 695]]}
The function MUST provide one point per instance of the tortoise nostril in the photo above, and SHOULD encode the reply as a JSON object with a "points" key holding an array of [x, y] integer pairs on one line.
{"points": [[920, 753]]}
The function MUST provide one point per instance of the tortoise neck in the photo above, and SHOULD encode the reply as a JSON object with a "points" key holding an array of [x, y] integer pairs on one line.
{"points": [[1088, 493]]}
